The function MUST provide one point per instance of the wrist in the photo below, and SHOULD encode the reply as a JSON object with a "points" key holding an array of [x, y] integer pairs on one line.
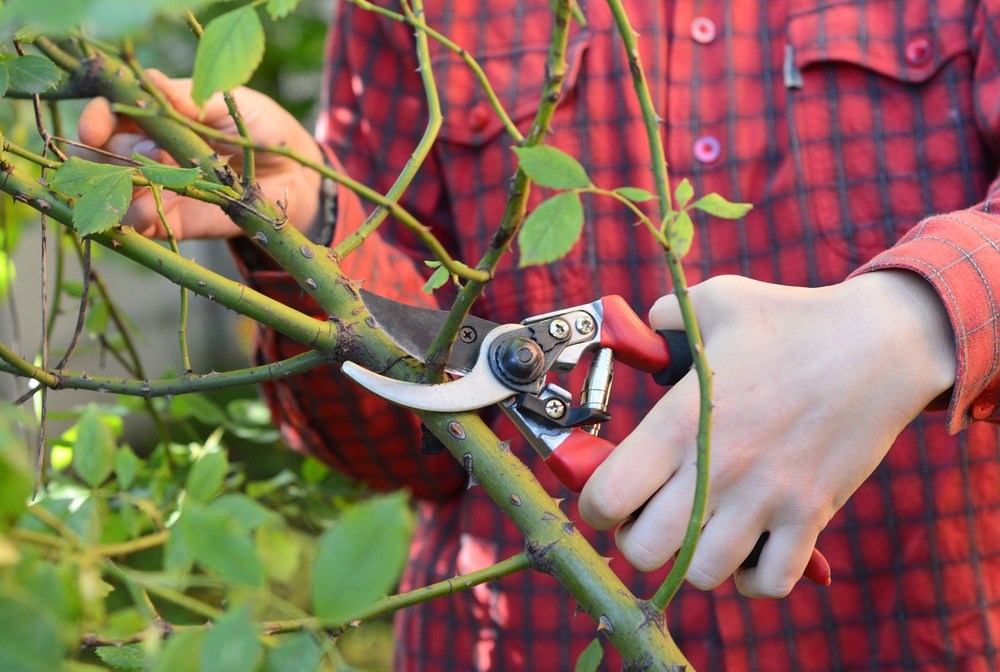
{"points": [[911, 320]]}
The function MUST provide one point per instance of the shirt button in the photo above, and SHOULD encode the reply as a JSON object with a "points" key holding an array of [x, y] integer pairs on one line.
{"points": [[918, 51], [479, 116], [707, 149], [703, 30], [983, 408]]}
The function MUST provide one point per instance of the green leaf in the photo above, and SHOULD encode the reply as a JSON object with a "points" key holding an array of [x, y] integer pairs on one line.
{"points": [[206, 475], [295, 653], [590, 658], [87, 519], [126, 467], [359, 560], [683, 193], [232, 644], [4, 81], [15, 475], [244, 511], [94, 452], [198, 406], [219, 545], [681, 234], [29, 637], [98, 318], [437, 279], [171, 177], [314, 471], [177, 556], [8, 274], [31, 74], [182, 652], [551, 167], [130, 657], [51, 17], [551, 230], [279, 9], [635, 194], [279, 549], [228, 53], [716, 205], [103, 193]]}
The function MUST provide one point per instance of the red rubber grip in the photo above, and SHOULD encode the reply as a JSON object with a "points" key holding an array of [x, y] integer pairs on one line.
{"points": [[576, 458], [633, 342], [818, 569]]}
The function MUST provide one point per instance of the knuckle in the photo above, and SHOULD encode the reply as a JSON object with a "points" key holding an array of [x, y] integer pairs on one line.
{"points": [[704, 578], [776, 587], [640, 555], [600, 506]]}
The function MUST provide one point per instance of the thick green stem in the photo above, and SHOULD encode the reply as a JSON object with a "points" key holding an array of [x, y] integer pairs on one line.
{"points": [[555, 546]]}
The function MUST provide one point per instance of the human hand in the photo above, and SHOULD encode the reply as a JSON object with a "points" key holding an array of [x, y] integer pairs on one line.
{"points": [[811, 387], [280, 178]]}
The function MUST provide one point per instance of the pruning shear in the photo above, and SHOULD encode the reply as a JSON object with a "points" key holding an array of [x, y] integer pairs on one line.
{"points": [[507, 364]]}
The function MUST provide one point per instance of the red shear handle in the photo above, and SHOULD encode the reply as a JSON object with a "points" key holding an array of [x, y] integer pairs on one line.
{"points": [[634, 343], [818, 569], [577, 457]]}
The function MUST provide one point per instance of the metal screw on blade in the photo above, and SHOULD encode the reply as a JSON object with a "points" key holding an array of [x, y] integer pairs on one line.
{"points": [[555, 408], [468, 335], [559, 329], [585, 324]]}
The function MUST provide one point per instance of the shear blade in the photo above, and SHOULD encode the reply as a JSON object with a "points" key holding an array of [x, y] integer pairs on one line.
{"points": [[478, 389], [414, 329]]}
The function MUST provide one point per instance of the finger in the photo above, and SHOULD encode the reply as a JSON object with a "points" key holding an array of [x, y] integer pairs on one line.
{"points": [[178, 94], [97, 122], [782, 562], [726, 541], [658, 533], [645, 460], [666, 313]]}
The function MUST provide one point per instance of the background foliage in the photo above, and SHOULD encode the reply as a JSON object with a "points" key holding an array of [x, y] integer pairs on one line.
{"points": [[213, 521]]}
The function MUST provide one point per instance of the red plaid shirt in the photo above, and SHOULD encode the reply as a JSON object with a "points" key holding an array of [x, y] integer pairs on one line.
{"points": [[846, 123]]}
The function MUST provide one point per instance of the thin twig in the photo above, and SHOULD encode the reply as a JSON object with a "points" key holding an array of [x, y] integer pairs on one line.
{"points": [[167, 387], [435, 247], [409, 171], [172, 240], [393, 603]]}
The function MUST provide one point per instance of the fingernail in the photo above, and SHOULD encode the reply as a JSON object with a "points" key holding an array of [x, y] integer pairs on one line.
{"points": [[147, 148]]}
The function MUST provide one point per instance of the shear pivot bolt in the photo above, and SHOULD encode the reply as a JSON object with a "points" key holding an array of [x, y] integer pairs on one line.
{"points": [[558, 329], [467, 334], [555, 408], [585, 324]]}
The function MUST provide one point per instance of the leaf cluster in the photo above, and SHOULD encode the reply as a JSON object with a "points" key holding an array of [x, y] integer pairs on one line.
{"points": [[119, 544], [553, 228]]}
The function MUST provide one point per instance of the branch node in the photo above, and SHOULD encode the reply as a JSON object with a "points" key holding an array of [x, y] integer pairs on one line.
{"points": [[537, 556]]}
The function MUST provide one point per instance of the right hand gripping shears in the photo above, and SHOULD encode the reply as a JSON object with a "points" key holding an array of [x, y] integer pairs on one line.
{"points": [[507, 365]]}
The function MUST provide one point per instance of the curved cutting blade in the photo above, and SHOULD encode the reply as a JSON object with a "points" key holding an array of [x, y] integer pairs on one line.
{"points": [[413, 329], [478, 389]]}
